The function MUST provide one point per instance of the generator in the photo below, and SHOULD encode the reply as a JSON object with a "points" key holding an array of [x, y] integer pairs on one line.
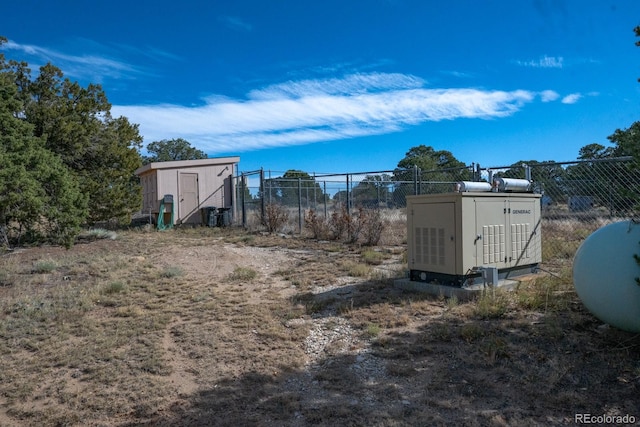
{"points": [[468, 236]]}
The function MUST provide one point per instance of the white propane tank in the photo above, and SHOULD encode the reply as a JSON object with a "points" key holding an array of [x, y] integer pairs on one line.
{"points": [[605, 272], [464, 186]]}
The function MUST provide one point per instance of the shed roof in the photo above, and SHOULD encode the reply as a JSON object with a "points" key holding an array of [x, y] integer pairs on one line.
{"points": [[180, 164]]}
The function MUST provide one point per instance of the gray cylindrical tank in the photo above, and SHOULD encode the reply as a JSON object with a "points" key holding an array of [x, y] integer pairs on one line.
{"points": [[464, 186], [512, 184]]}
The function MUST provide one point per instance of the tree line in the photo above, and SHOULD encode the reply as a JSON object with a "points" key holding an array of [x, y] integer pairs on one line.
{"points": [[424, 170]]}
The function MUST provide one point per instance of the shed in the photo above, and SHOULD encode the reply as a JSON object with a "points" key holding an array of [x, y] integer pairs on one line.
{"points": [[190, 184]]}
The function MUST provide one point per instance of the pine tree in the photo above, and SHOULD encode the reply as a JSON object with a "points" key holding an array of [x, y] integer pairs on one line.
{"points": [[40, 198]]}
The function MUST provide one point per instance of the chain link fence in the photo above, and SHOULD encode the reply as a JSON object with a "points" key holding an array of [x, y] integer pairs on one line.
{"points": [[577, 198]]}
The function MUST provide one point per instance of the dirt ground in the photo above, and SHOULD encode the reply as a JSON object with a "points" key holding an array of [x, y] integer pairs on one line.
{"points": [[239, 329]]}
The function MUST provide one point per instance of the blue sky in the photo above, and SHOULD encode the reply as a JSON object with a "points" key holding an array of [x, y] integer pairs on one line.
{"points": [[350, 85]]}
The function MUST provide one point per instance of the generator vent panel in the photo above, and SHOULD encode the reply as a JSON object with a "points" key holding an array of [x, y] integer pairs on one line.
{"points": [[519, 239], [493, 243], [430, 245]]}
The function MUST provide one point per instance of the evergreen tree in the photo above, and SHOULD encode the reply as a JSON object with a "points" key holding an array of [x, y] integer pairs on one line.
{"points": [[422, 164], [372, 191], [172, 149], [39, 197], [75, 123], [285, 189], [547, 176]]}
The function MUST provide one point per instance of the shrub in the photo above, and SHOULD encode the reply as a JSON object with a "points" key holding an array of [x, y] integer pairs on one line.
{"points": [[355, 225], [318, 225], [373, 226], [339, 223], [275, 217], [365, 223]]}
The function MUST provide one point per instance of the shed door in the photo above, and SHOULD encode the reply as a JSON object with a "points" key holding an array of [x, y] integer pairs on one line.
{"points": [[189, 198]]}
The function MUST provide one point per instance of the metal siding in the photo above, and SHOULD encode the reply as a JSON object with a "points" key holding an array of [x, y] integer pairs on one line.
{"points": [[417, 249], [431, 241], [490, 239], [475, 229]]}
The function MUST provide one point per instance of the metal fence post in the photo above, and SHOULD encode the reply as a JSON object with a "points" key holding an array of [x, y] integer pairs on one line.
{"points": [[262, 192], [242, 197], [527, 171], [299, 205], [348, 195], [270, 184], [324, 197]]}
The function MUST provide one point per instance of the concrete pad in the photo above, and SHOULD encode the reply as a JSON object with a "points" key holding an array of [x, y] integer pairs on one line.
{"points": [[462, 294]]}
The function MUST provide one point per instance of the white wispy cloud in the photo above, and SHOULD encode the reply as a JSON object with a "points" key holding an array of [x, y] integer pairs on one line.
{"points": [[549, 95], [458, 74], [544, 62], [236, 23], [80, 66], [571, 98], [349, 85], [307, 111], [153, 53]]}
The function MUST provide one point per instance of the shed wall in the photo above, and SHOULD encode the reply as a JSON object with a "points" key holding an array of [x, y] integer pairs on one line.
{"points": [[214, 188], [150, 202]]}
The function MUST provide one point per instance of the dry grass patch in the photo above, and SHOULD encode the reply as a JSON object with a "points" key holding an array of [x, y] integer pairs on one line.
{"points": [[113, 288], [243, 274], [548, 293], [44, 266], [170, 272], [355, 269], [106, 337], [97, 234], [491, 304], [373, 257]]}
